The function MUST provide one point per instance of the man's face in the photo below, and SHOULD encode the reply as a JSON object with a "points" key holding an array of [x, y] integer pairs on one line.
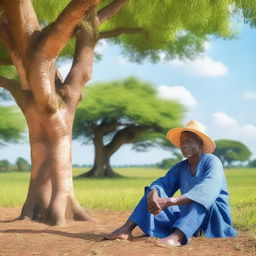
{"points": [[190, 144]]}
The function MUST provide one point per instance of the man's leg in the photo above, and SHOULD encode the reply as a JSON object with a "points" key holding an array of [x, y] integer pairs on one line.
{"points": [[159, 226], [189, 221], [124, 232]]}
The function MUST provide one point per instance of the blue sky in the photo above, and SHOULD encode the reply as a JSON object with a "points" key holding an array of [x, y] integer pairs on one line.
{"points": [[218, 88]]}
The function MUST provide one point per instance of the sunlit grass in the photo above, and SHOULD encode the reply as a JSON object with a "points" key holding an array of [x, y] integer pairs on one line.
{"points": [[124, 193]]}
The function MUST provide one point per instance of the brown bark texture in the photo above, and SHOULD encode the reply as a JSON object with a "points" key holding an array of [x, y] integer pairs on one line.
{"points": [[103, 152], [101, 167], [47, 102]]}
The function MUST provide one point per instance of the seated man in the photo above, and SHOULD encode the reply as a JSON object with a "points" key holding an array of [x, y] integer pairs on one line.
{"points": [[202, 207]]}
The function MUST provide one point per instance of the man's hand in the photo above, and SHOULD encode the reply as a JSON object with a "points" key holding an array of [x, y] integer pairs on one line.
{"points": [[157, 204]]}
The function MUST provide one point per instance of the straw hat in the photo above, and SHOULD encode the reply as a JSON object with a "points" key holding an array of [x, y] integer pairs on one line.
{"points": [[173, 135]]}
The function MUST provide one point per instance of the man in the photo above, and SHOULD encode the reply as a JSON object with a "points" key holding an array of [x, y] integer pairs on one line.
{"points": [[202, 207]]}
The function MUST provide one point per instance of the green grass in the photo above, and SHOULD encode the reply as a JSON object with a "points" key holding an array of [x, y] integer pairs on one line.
{"points": [[124, 193]]}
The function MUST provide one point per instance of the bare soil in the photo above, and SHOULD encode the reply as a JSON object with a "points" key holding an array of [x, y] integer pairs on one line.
{"points": [[85, 238]]}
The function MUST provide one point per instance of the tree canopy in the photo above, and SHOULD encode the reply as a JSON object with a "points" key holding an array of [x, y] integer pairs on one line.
{"points": [[196, 20], [126, 111], [148, 28], [230, 150]]}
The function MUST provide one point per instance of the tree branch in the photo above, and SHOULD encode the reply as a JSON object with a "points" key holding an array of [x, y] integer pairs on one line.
{"points": [[16, 27], [110, 10], [16, 59], [126, 135], [4, 62], [22, 22], [7, 84], [107, 126], [81, 70], [21, 97], [119, 31], [56, 35]]}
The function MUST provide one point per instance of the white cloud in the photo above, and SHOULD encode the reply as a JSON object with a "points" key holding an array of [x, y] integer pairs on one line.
{"points": [[222, 119], [226, 127], [249, 95], [250, 131], [201, 66], [179, 93]]}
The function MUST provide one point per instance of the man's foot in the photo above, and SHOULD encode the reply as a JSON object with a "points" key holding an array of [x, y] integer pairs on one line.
{"points": [[121, 233], [168, 242], [175, 239]]}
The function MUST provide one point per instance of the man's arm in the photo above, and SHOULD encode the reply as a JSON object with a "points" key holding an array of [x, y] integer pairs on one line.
{"points": [[157, 204]]}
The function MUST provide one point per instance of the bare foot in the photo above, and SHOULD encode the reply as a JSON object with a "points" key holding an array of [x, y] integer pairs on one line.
{"points": [[175, 239], [120, 233], [166, 242]]}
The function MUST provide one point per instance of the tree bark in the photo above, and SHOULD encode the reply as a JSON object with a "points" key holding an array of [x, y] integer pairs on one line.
{"points": [[103, 153], [101, 167], [51, 195]]}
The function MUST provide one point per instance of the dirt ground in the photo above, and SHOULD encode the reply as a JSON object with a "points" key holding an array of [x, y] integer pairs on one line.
{"points": [[85, 238]]}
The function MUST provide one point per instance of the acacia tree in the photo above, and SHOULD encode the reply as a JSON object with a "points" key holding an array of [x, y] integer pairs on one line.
{"points": [[123, 112], [231, 150], [33, 35]]}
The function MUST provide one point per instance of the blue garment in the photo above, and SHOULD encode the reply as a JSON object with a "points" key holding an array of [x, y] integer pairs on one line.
{"points": [[208, 213]]}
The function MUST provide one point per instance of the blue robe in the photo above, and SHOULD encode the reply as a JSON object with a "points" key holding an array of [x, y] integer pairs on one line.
{"points": [[209, 213]]}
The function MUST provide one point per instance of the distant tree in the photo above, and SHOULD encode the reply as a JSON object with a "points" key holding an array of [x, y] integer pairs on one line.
{"points": [[252, 163], [121, 112], [230, 150], [170, 162], [5, 165], [22, 164]]}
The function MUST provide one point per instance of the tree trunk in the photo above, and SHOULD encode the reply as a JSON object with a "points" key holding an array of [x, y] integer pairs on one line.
{"points": [[101, 166], [101, 169], [51, 195]]}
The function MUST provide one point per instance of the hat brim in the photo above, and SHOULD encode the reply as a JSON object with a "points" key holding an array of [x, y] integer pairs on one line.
{"points": [[174, 137]]}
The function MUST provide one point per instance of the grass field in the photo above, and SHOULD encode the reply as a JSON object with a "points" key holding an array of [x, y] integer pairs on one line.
{"points": [[124, 193]]}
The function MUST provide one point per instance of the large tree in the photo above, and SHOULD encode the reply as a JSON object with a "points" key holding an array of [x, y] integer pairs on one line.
{"points": [[34, 34], [230, 151], [122, 112]]}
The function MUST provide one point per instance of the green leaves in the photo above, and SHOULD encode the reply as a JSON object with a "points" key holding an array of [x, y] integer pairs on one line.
{"points": [[177, 28], [161, 22], [12, 125], [123, 103]]}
